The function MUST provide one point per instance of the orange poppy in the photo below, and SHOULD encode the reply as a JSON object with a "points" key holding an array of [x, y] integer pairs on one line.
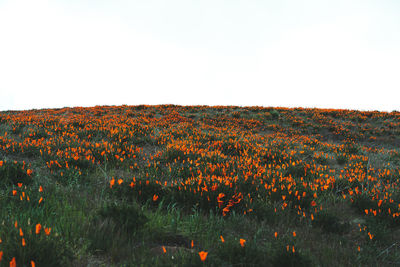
{"points": [[155, 197], [13, 263], [38, 228], [112, 182], [203, 255], [370, 235], [47, 230]]}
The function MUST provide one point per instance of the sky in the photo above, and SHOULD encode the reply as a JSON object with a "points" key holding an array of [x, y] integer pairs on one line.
{"points": [[342, 54]]}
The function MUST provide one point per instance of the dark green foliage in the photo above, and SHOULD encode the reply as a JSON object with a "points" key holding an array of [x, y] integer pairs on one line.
{"points": [[128, 217], [274, 113], [263, 211], [380, 228], [251, 254], [113, 229], [12, 173], [330, 223], [44, 250], [285, 258], [342, 159], [362, 202]]}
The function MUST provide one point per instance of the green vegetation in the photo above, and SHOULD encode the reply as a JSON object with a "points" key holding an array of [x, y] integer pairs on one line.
{"points": [[199, 186]]}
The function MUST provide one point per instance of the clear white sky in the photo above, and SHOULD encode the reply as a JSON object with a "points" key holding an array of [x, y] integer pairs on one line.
{"points": [[319, 53]]}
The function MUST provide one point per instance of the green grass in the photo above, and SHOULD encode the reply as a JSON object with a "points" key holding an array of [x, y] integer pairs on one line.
{"points": [[93, 224]]}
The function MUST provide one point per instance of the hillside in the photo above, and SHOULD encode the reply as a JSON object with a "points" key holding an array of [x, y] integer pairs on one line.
{"points": [[197, 185]]}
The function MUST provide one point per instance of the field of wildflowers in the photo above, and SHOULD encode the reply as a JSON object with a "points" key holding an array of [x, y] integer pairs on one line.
{"points": [[199, 186]]}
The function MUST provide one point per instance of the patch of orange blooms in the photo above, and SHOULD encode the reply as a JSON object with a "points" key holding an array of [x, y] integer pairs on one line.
{"points": [[224, 162]]}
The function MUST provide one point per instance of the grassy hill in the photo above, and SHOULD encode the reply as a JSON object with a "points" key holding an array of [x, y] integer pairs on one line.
{"points": [[199, 186]]}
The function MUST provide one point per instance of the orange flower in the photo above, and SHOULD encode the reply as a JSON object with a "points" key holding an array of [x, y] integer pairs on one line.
{"points": [[29, 172], [242, 241], [192, 244], [47, 230], [294, 233], [14, 192], [1, 163], [13, 263], [276, 234], [155, 197], [313, 203], [164, 250], [112, 182], [220, 202], [23, 242], [33, 264], [40, 189], [40, 200], [120, 181], [20, 232], [1, 255], [19, 184], [222, 239], [203, 255], [370, 235], [38, 228]]}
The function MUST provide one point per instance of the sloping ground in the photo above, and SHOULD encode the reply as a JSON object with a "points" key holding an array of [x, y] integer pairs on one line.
{"points": [[161, 185]]}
